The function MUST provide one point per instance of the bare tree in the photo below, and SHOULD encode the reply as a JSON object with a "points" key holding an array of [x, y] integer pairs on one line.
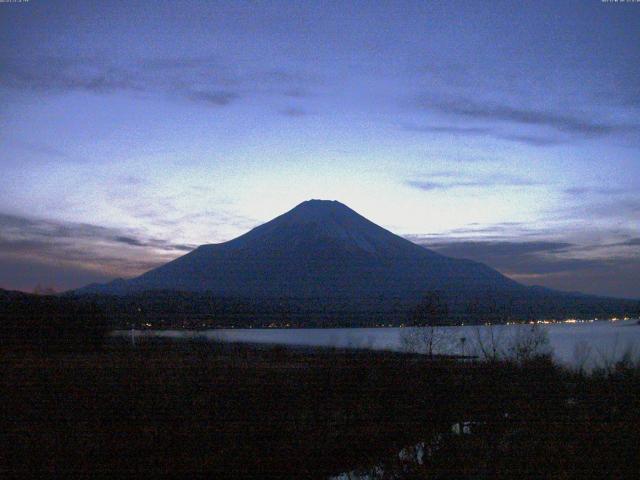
{"points": [[617, 357], [582, 353], [429, 340], [426, 335], [528, 342], [489, 343], [520, 343]]}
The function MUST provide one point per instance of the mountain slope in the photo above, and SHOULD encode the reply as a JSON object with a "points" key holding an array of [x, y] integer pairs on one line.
{"points": [[323, 264], [318, 249]]}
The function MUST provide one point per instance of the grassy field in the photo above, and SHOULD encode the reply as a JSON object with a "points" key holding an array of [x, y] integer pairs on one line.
{"points": [[274, 412]]}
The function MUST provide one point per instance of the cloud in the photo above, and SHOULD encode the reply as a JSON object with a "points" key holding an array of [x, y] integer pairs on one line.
{"points": [[89, 247], [589, 190], [532, 140], [136, 242], [448, 181], [551, 263], [216, 98], [625, 208], [56, 74], [25, 274], [427, 185], [100, 76], [294, 112], [515, 257], [499, 248], [96, 251], [632, 242], [496, 112], [449, 130], [615, 277], [199, 79]]}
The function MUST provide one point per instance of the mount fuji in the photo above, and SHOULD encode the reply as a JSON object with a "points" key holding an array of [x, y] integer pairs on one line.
{"points": [[318, 249], [324, 250]]}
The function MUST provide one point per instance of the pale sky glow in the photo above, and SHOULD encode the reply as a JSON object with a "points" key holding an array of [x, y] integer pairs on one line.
{"points": [[182, 123]]}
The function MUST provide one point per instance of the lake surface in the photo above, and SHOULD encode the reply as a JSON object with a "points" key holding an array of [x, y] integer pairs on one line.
{"points": [[573, 344]]}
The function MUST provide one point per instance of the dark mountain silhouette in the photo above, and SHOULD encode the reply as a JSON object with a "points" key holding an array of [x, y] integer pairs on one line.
{"points": [[324, 250], [318, 249]]}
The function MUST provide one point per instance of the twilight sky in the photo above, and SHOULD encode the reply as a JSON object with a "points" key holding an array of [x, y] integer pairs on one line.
{"points": [[505, 132]]}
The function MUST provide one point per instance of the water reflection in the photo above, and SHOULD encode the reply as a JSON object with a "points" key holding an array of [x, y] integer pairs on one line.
{"points": [[579, 344]]}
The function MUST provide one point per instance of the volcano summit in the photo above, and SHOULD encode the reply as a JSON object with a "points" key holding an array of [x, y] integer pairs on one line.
{"points": [[318, 249], [324, 250]]}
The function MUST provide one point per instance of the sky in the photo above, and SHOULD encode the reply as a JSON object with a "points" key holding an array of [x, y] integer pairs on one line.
{"points": [[504, 132]]}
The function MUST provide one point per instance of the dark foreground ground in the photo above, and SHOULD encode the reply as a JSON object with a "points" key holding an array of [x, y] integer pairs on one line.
{"points": [[248, 411]]}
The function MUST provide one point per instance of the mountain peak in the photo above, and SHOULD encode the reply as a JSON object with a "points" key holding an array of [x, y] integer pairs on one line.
{"points": [[324, 251], [320, 248], [319, 211], [319, 221], [321, 206], [318, 202]]}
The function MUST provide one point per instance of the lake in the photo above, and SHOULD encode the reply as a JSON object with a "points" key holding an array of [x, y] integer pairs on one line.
{"points": [[573, 344]]}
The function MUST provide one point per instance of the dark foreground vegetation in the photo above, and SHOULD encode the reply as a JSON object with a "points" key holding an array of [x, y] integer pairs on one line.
{"points": [[247, 411], [48, 323], [75, 400]]}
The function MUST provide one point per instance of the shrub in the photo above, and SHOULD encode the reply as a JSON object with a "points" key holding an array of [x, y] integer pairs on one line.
{"points": [[50, 323]]}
